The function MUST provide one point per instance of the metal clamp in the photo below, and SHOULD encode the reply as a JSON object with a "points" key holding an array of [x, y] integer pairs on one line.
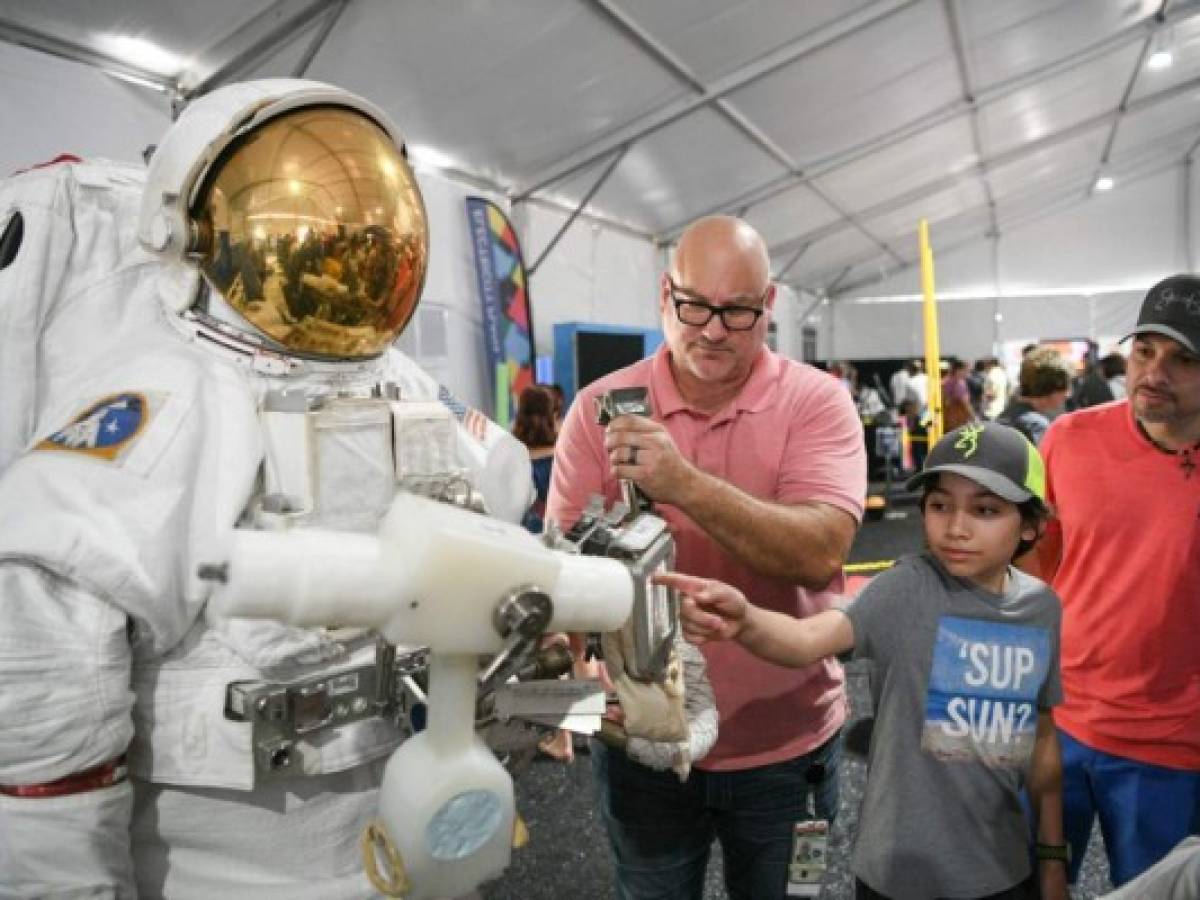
{"points": [[521, 617], [282, 715], [644, 544]]}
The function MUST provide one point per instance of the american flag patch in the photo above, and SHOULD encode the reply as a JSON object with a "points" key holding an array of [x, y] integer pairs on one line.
{"points": [[471, 419]]}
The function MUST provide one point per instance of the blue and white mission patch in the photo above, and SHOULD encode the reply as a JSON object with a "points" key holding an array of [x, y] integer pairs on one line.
{"points": [[105, 429]]}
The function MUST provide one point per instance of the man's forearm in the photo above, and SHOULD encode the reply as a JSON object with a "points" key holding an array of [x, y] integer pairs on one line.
{"points": [[806, 544]]}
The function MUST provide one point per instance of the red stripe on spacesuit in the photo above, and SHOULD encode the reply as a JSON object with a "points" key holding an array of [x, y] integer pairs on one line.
{"points": [[104, 775], [61, 158]]}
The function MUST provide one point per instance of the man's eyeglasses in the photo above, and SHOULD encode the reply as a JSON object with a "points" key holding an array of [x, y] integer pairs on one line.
{"points": [[691, 310]]}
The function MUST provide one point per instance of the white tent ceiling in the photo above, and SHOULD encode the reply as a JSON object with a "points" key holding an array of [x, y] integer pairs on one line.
{"points": [[832, 125]]}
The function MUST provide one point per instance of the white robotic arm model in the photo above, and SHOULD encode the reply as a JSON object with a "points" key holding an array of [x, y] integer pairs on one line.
{"points": [[462, 585]]}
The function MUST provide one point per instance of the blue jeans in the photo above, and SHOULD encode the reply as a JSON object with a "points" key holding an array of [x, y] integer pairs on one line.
{"points": [[1144, 810], [660, 830]]}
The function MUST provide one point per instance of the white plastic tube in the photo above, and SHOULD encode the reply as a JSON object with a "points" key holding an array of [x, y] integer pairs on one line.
{"points": [[591, 593], [308, 577], [433, 577], [446, 802]]}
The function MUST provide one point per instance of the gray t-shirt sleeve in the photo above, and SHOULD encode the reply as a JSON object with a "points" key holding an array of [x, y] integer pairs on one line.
{"points": [[1051, 693], [873, 613]]}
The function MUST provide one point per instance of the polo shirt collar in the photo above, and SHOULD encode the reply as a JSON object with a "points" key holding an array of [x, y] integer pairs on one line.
{"points": [[757, 393]]}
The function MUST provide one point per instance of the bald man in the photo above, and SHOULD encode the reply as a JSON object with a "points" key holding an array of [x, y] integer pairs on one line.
{"points": [[758, 464]]}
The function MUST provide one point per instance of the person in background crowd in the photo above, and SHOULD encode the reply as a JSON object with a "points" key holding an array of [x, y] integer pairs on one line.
{"points": [[898, 386], [535, 428], [1124, 555], [870, 405], [995, 389], [846, 375], [560, 403], [1042, 389], [918, 383], [956, 396], [758, 464], [1112, 367], [975, 380], [941, 815], [1091, 388]]}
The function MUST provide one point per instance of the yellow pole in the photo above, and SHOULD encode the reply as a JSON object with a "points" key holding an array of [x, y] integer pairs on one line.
{"points": [[932, 351]]}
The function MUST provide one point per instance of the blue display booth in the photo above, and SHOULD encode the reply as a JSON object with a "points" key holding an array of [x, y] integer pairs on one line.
{"points": [[585, 351]]}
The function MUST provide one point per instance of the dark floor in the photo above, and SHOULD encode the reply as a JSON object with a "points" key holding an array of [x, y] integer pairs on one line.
{"points": [[895, 532], [567, 857]]}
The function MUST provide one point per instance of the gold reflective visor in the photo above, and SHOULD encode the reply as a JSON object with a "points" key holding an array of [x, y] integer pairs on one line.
{"points": [[319, 237]]}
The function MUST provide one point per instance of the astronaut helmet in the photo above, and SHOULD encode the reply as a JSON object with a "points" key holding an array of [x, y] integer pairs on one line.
{"points": [[286, 210]]}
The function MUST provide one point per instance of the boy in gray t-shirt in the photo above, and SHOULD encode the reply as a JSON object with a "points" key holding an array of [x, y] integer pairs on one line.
{"points": [[967, 669]]}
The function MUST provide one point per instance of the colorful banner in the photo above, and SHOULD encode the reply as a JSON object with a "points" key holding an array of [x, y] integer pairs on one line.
{"points": [[507, 322]]}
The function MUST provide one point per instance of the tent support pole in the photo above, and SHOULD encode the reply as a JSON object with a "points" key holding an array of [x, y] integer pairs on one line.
{"points": [[1189, 253], [587, 198], [319, 38]]}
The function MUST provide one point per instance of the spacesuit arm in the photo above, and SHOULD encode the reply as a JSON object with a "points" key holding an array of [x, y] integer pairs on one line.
{"points": [[499, 465], [66, 702]]}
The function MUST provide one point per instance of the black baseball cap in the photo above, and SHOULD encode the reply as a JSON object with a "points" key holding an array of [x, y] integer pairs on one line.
{"points": [[1172, 308], [994, 456]]}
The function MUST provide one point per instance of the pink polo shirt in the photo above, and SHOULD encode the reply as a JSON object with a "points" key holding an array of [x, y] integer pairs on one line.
{"points": [[792, 435]]}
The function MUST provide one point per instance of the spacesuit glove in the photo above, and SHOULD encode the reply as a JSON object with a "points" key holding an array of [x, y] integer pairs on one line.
{"points": [[649, 709], [700, 717]]}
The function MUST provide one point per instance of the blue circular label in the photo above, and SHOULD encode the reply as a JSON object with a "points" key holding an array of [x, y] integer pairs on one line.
{"points": [[463, 825]]}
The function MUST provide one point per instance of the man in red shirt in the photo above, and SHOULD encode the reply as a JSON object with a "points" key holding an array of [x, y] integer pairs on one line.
{"points": [[758, 464], [1124, 556]]}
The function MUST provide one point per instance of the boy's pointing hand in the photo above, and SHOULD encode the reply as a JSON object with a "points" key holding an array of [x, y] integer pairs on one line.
{"points": [[710, 610]]}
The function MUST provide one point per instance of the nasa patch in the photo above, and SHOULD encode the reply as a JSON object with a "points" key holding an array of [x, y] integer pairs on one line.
{"points": [[105, 430]]}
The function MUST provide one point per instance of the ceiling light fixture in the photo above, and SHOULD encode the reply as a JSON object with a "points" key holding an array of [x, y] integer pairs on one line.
{"points": [[1160, 50], [1105, 183], [429, 157], [141, 53], [1159, 59]]}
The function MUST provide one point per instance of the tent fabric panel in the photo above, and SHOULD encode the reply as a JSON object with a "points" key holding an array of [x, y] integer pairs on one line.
{"points": [[663, 180], [1056, 103], [1064, 160], [790, 215], [832, 99], [1012, 38], [506, 89], [716, 37], [925, 157]]}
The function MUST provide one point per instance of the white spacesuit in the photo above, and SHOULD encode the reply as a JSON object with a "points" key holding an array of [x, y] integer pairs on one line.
{"points": [[231, 365]]}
